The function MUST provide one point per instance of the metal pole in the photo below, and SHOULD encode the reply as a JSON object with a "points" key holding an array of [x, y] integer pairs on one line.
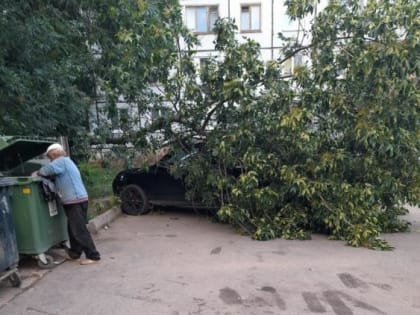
{"points": [[272, 29], [64, 141]]}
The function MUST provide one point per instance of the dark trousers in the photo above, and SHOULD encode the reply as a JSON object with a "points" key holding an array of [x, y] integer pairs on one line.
{"points": [[79, 236]]}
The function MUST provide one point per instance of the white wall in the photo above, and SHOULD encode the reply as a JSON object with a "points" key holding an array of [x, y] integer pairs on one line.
{"points": [[273, 20]]}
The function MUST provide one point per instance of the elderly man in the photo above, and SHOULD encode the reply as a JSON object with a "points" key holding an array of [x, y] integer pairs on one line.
{"points": [[74, 198]]}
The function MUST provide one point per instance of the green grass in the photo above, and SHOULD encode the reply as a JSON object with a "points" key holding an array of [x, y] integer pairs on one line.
{"points": [[98, 178]]}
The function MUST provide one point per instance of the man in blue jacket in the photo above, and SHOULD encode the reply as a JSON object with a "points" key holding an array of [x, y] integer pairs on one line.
{"points": [[74, 198]]}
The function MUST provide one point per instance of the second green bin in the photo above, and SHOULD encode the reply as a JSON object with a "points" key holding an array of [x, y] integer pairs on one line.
{"points": [[40, 222]]}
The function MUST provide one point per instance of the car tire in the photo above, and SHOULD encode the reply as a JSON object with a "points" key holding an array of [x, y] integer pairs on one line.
{"points": [[134, 200]]}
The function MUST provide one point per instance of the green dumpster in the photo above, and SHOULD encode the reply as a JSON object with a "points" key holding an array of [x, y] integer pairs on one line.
{"points": [[39, 220]]}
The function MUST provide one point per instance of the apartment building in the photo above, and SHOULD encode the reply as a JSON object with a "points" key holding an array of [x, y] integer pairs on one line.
{"points": [[260, 20]]}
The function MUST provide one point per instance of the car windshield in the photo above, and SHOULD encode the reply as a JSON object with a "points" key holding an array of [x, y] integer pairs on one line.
{"points": [[178, 159]]}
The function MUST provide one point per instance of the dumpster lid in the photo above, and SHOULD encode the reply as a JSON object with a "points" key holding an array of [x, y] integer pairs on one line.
{"points": [[7, 181], [15, 150]]}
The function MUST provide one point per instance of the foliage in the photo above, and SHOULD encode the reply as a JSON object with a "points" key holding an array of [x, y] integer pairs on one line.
{"points": [[44, 68], [57, 58], [334, 149], [136, 43], [98, 178]]}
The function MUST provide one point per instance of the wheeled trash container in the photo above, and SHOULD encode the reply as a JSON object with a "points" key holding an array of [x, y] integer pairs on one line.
{"points": [[9, 256], [39, 219]]}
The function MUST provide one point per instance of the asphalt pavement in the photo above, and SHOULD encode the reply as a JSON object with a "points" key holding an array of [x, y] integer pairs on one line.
{"points": [[176, 262]]}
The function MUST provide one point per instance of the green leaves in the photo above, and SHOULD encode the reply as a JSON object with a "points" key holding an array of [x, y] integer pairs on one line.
{"points": [[297, 9], [44, 68], [335, 149]]}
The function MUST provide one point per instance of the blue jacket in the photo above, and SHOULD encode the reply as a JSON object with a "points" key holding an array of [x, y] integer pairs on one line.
{"points": [[68, 181]]}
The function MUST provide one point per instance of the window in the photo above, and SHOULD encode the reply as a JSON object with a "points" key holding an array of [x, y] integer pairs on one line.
{"points": [[120, 119], [201, 19], [204, 61], [250, 17], [298, 60], [287, 67], [124, 117], [155, 114]]}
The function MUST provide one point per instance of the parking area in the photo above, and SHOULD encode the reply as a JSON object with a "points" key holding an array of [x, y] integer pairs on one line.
{"points": [[176, 262]]}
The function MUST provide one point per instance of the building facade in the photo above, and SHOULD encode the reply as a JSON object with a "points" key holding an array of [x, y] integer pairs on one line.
{"points": [[259, 20]]}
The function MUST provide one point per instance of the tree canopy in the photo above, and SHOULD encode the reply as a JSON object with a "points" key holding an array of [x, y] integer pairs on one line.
{"points": [[44, 68], [57, 58], [334, 149]]}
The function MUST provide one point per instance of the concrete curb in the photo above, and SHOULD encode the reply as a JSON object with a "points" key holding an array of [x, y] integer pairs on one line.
{"points": [[103, 219]]}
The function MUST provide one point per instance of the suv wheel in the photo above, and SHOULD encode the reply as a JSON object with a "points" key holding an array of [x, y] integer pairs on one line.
{"points": [[134, 200]]}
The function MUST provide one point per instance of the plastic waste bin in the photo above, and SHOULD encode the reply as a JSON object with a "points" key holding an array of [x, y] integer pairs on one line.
{"points": [[9, 256], [39, 220]]}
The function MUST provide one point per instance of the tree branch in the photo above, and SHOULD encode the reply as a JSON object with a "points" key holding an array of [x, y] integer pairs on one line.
{"points": [[315, 43]]}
